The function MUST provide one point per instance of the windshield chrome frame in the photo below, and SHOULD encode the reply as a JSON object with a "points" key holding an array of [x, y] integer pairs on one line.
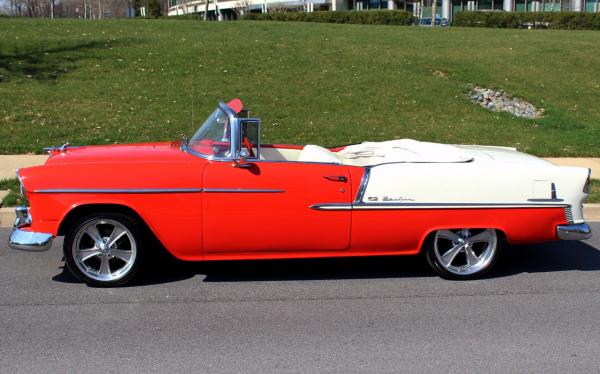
{"points": [[233, 147]]}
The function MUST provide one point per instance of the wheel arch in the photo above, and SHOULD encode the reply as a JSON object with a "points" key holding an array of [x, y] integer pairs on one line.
{"points": [[86, 209]]}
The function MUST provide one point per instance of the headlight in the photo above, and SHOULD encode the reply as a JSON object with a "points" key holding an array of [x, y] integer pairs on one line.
{"points": [[586, 186]]}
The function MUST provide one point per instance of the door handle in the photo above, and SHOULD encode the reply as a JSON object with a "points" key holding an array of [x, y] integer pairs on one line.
{"points": [[336, 178]]}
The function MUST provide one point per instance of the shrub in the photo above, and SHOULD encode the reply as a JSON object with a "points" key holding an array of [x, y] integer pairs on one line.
{"points": [[375, 17], [153, 8], [538, 20]]}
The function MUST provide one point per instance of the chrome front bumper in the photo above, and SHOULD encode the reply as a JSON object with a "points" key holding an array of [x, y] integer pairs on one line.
{"points": [[28, 240], [574, 232]]}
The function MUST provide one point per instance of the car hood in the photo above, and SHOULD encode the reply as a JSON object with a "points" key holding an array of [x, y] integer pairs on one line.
{"points": [[127, 153]]}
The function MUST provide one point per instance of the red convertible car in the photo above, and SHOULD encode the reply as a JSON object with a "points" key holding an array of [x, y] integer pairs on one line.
{"points": [[222, 195]]}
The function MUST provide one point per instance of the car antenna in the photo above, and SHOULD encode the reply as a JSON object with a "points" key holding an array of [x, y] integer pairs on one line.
{"points": [[192, 95]]}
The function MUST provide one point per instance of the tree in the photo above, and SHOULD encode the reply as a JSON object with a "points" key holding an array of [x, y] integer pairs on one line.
{"points": [[137, 4], [242, 7], [153, 8]]}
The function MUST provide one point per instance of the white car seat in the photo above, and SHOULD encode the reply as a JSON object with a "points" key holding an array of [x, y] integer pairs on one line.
{"points": [[315, 153]]}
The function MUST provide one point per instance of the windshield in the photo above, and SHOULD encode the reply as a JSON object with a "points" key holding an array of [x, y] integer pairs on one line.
{"points": [[214, 136]]}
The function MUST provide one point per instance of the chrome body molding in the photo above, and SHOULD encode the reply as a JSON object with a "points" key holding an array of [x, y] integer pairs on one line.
{"points": [[578, 231], [155, 190], [392, 206], [363, 185], [553, 200], [453, 205], [120, 190], [332, 206], [29, 240], [241, 190]]}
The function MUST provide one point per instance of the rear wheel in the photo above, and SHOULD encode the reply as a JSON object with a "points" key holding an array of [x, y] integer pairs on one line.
{"points": [[104, 249], [463, 253]]}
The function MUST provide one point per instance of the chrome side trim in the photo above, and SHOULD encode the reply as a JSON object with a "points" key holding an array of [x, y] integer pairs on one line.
{"points": [[546, 200], [574, 232], [452, 205], [30, 241], [121, 190], [332, 206], [398, 206], [363, 185], [241, 190]]}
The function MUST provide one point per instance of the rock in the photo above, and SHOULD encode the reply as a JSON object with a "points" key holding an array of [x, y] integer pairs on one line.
{"points": [[500, 101]]}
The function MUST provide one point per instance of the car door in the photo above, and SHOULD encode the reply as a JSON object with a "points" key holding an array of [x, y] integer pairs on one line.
{"points": [[267, 207]]}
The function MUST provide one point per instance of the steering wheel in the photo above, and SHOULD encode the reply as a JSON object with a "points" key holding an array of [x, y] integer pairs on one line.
{"points": [[246, 143]]}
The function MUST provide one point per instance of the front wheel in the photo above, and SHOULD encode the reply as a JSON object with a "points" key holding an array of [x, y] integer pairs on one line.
{"points": [[462, 253], [104, 249]]}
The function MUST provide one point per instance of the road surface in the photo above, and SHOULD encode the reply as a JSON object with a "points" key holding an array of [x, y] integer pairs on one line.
{"points": [[539, 311]]}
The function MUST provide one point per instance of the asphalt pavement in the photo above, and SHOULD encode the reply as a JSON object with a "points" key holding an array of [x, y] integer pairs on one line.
{"points": [[538, 311]]}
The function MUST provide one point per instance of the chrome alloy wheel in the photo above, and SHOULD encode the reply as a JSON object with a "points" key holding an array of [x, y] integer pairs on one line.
{"points": [[465, 251], [104, 250]]}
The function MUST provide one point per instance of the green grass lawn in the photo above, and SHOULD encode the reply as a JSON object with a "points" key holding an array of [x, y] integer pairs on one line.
{"points": [[14, 196], [95, 82]]}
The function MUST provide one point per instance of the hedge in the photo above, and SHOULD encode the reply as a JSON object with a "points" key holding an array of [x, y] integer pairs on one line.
{"points": [[541, 20], [374, 17]]}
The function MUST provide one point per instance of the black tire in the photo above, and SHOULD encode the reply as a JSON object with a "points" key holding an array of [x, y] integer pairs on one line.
{"points": [[102, 221], [450, 271]]}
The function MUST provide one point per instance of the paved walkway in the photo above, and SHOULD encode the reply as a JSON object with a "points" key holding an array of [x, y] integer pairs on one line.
{"points": [[592, 163], [10, 163]]}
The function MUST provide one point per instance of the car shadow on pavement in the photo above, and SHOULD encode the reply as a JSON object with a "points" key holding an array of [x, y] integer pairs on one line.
{"points": [[548, 257]]}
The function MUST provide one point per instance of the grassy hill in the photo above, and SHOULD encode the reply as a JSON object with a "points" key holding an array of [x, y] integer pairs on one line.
{"points": [[94, 82]]}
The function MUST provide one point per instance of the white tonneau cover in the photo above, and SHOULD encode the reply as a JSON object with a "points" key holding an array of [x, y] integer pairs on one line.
{"points": [[401, 150]]}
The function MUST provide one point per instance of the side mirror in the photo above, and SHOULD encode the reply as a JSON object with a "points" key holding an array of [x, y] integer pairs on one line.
{"points": [[241, 160]]}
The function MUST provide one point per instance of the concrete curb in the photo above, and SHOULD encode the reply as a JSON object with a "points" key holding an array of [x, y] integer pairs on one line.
{"points": [[7, 217], [591, 212]]}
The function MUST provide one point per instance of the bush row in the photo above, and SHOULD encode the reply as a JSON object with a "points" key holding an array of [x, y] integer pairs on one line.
{"points": [[546, 20], [374, 17]]}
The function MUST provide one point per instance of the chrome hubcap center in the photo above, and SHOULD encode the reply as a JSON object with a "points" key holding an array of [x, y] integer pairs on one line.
{"points": [[103, 246]]}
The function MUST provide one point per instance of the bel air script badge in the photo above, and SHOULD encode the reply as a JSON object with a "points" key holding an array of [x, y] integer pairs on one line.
{"points": [[390, 198]]}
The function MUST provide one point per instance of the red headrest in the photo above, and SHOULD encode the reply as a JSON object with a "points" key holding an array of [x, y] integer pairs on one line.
{"points": [[236, 105]]}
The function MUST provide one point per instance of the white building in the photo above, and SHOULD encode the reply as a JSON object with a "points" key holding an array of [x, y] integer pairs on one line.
{"points": [[230, 9]]}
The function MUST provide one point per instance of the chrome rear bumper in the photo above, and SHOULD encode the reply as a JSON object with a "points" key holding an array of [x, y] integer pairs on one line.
{"points": [[574, 232], [28, 240]]}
